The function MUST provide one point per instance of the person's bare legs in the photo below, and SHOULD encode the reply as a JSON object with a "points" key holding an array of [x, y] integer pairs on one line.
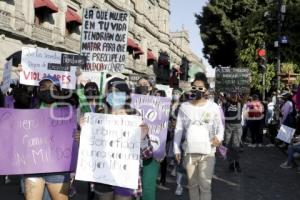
{"points": [[34, 188], [58, 191]]}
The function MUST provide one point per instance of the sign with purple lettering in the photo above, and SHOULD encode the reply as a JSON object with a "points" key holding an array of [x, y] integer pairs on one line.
{"points": [[155, 112], [37, 141]]}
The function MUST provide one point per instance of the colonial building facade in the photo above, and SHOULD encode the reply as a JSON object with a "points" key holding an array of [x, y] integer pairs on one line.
{"points": [[56, 24]]}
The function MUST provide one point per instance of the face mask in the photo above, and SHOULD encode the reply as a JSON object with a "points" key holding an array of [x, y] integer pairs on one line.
{"points": [[142, 90], [196, 95], [116, 99], [91, 93], [47, 96]]}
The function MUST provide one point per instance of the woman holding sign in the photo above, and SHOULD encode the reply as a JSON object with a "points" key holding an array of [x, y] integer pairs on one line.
{"points": [[56, 183], [117, 102]]}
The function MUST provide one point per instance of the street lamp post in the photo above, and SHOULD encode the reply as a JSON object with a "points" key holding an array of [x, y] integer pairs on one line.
{"points": [[279, 23]]}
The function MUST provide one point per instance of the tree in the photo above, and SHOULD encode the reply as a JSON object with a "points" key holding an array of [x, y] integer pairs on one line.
{"points": [[220, 25]]}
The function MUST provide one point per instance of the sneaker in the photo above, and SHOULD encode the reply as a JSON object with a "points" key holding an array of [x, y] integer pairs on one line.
{"points": [[163, 187], [270, 145], [259, 145], [179, 190], [285, 165], [7, 180], [252, 145], [173, 172]]}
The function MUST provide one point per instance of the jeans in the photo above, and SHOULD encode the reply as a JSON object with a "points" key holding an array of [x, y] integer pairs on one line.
{"points": [[200, 170], [255, 127], [292, 149], [233, 134]]}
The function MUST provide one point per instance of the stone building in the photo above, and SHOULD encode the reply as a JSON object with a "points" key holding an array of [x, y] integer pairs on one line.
{"points": [[56, 24]]}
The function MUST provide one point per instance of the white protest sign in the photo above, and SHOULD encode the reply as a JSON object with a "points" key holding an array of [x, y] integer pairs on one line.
{"points": [[285, 134], [38, 63], [166, 88], [104, 40], [6, 80], [109, 150]]}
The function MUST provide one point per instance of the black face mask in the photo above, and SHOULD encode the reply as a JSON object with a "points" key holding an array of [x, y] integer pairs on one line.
{"points": [[196, 95], [91, 93], [142, 90], [47, 96]]}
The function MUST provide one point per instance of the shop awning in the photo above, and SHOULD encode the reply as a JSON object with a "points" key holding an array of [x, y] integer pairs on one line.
{"points": [[150, 55], [45, 4], [72, 16], [138, 51], [132, 44]]}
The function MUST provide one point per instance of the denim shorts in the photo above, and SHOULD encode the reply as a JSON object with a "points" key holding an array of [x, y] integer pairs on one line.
{"points": [[61, 177]]}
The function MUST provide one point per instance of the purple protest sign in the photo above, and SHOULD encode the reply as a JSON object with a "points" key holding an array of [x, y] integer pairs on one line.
{"points": [[155, 112], [37, 141], [9, 102]]}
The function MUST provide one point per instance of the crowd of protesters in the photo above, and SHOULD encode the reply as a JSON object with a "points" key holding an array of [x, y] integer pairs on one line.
{"points": [[199, 126]]}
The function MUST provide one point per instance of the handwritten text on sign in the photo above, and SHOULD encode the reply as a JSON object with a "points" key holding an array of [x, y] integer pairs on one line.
{"points": [[37, 141], [155, 112], [38, 63], [104, 40], [109, 150]]}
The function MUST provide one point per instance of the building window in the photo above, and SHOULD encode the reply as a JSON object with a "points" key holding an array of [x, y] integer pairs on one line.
{"points": [[43, 11], [73, 21]]}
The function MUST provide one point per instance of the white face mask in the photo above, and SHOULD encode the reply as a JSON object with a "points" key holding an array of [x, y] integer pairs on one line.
{"points": [[176, 97]]}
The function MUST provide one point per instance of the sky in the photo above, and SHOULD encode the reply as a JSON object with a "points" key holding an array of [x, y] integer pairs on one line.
{"points": [[182, 14]]}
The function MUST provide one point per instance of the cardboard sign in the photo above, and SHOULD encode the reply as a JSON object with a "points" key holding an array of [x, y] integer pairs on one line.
{"points": [[37, 141], [38, 63], [109, 150], [104, 40]]}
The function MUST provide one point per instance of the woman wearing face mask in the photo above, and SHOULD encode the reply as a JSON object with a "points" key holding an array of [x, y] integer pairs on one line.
{"points": [[56, 183], [150, 166], [117, 102], [144, 87]]}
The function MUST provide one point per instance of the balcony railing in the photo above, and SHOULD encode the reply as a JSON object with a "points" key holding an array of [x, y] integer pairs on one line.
{"points": [[42, 33], [5, 18], [72, 43]]}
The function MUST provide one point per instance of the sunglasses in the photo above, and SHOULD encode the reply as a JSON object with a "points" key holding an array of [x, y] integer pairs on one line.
{"points": [[202, 89]]}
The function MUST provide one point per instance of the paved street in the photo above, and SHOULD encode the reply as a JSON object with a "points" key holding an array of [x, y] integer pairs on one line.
{"points": [[261, 179]]}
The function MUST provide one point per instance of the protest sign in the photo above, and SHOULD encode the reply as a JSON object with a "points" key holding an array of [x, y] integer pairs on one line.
{"points": [[133, 78], [155, 112], [165, 88], [73, 60], [285, 133], [6, 76], [104, 40], [233, 80], [38, 63], [37, 141], [109, 150]]}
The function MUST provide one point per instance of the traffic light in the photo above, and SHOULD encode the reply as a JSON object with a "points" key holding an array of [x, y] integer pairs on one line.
{"points": [[262, 60]]}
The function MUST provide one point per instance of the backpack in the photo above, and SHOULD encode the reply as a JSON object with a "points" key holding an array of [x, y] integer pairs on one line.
{"points": [[197, 138]]}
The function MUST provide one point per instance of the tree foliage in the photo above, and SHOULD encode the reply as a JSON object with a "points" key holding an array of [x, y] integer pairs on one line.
{"points": [[232, 31]]}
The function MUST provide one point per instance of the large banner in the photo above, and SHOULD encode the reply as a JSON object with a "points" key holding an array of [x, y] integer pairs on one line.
{"points": [[38, 63], [233, 80], [155, 112], [37, 141], [109, 150], [104, 40], [6, 76]]}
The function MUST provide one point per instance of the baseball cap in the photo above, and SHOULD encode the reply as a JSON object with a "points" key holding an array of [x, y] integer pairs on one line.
{"points": [[53, 79]]}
